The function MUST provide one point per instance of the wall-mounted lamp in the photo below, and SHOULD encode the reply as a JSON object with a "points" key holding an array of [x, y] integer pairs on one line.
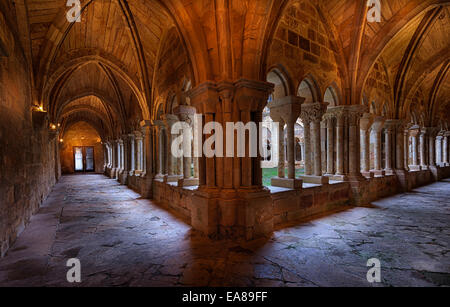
{"points": [[61, 140], [53, 126], [37, 108]]}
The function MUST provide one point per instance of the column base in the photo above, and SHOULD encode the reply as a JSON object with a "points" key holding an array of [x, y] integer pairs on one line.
{"points": [[379, 172], [188, 182], [337, 177], [315, 179], [415, 168], [358, 177], [389, 172], [232, 214], [171, 178], [113, 173], [295, 184], [159, 177], [368, 174]]}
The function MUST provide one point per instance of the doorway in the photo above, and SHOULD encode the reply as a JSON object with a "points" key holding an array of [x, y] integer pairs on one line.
{"points": [[84, 159]]}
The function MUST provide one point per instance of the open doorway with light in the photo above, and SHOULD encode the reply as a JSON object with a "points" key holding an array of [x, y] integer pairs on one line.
{"points": [[84, 159]]}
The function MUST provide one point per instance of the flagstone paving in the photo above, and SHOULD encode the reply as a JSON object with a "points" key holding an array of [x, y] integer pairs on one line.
{"points": [[122, 240]]}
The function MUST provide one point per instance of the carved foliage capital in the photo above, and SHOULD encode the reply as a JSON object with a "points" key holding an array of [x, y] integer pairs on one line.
{"points": [[312, 112]]}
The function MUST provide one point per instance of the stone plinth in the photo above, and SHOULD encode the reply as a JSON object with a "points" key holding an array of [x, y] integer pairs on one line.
{"points": [[295, 184]]}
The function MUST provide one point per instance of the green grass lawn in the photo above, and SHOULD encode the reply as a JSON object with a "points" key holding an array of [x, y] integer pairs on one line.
{"points": [[268, 173]]}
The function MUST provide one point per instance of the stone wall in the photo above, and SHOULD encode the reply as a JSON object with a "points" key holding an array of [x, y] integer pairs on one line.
{"points": [[288, 206], [292, 206], [27, 149]]}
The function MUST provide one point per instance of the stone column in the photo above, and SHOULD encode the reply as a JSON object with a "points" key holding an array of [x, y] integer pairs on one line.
{"points": [[186, 115], [286, 110], [422, 148], [115, 155], [290, 149], [340, 144], [400, 152], [313, 113], [126, 159], [330, 146], [377, 127], [446, 160], [147, 157], [406, 147], [323, 146], [365, 124], [132, 154], [414, 134], [308, 147], [281, 157], [389, 130], [432, 150], [439, 153], [159, 143], [354, 121], [169, 121], [137, 153], [243, 209]]}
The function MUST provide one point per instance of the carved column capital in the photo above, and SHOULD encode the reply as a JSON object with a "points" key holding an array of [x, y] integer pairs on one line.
{"points": [[313, 112], [185, 113], [252, 95], [286, 109]]}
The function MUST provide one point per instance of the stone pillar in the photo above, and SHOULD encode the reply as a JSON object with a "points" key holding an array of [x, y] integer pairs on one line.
{"points": [[160, 146], [281, 150], [169, 121], [291, 149], [138, 153], [389, 131], [365, 125], [126, 159], [114, 159], [446, 160], [354, 121], [439, 153], [186, 115], [400, 145], [308, 148], [340, 117], [432, 150], [377, 127], [414, 134], [286, 110], [330, 147], [147, 157], [422, 148], [323, 146], [244, 209], [132, 140], [406, 147], [313, 113]]}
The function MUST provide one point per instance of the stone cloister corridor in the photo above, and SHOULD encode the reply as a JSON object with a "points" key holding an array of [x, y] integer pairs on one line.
{"points": [[123, 240], [224, 142]]}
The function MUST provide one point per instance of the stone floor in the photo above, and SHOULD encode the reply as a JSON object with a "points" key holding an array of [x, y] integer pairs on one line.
{"points": [[122, 240]]}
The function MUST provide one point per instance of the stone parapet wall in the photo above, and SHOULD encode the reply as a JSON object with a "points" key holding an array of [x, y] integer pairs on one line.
{"points": [[291, 206]]}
